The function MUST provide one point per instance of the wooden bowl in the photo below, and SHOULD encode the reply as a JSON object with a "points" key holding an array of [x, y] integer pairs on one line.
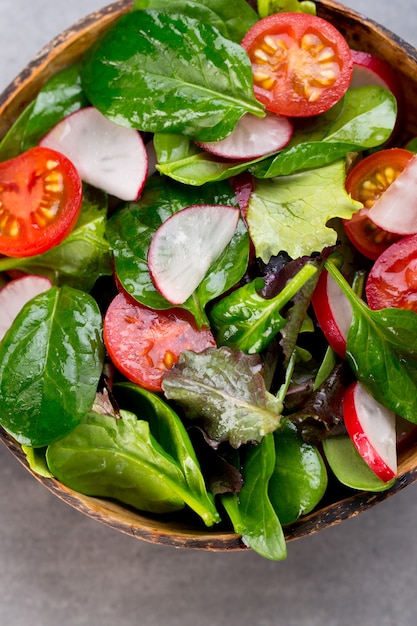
{"points": [[363, 34]]}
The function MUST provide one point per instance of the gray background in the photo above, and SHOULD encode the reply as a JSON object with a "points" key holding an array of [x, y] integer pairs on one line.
{"points": [[57, 567]]}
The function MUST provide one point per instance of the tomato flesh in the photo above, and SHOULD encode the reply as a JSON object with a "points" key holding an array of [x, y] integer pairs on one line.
{"points": [[392, 281], [144, 343], [301, 64], [40, 200], [366, 182]]}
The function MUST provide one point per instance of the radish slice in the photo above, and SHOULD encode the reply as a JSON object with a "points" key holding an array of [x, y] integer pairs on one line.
{"points": [[333, 312], [396, 209], [369, 69], [372, 429], [106, 155], [253, 137], [15, 294], [186, 245]]}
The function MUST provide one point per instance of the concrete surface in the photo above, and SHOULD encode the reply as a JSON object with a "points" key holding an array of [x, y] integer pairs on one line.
{"points": [[58, 567]]}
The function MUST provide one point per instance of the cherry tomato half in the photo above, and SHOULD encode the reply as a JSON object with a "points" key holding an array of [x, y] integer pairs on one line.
{"points": [[40, 200], [366, 182], [301, 64], [143, 343], [392, 281]]}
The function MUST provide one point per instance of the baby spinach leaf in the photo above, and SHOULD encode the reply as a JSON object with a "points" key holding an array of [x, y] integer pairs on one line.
{"points": [[245, 320], [382, 351], [169, 431], [260, 527], [181, 159], [60, 96], [291, 212], [50, 363], [131, 229], [225, 391], [175, 74], [233, 20], [299, 479], [82, 257], [349, 467], [118, 458]]}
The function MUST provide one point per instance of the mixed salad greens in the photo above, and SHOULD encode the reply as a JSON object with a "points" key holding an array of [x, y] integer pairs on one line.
{"points": [[224, 405]]}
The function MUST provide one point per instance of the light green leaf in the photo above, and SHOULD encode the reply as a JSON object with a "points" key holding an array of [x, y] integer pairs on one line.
{"points": [[291, 212]]}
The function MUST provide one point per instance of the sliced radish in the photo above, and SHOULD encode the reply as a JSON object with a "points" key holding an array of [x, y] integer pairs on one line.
{"points": [[186, 245], [106, 155], [253, 137], [369, 69], [396, 209], [372, 429], [333, 312], [15, 294]]}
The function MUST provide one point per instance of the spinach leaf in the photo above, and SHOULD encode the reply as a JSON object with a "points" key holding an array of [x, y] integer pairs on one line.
{"points": [[224, 390], [131, 229], [291, 212], [245, 320], [251, 510], [181, 159], [82, 257], [169, 431], [50, 363], [233, 20], [118, 458], [299, 479], [349, 467], [382, 351], [61, 95], [175, 73]]}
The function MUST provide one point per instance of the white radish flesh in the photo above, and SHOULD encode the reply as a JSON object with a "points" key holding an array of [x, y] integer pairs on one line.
{"points": [[186, 245], [108, 156], [253, 137], [15, 294], [333, 312], [372, 429], [396, 209]]}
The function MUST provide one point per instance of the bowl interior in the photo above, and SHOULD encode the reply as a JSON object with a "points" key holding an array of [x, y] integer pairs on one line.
{"points": [[362, 34]]}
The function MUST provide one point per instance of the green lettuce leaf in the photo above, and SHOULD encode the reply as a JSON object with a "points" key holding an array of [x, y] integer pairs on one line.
{"points": [[291, 212]]}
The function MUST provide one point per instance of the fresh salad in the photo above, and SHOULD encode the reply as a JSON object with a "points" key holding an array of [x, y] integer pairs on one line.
{"points": [[208, 270]]}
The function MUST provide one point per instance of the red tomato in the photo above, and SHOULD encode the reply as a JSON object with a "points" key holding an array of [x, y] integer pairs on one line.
{"points": [[40, 200], [392, 282], [301, 64], [366, 182], [143, 343]]}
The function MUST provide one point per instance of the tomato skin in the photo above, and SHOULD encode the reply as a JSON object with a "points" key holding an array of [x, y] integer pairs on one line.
{"points": [[366, 182], [144, 343], [301, 64], [40, 201], [392, 281]]}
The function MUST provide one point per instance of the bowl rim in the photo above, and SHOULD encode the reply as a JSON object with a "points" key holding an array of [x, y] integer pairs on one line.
{"points": [[12, 101]]}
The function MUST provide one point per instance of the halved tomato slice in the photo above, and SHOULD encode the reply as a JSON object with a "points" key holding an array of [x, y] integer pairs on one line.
{"points": [[392, 281], [301, 64], [144, 343], [40, 200], [366, 182]]}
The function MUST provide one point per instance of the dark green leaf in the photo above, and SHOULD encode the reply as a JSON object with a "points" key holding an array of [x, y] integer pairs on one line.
{"points": [[233, 20], [50, 364], [118, 458], [175, 73], [299, 479], [169, 431]]}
